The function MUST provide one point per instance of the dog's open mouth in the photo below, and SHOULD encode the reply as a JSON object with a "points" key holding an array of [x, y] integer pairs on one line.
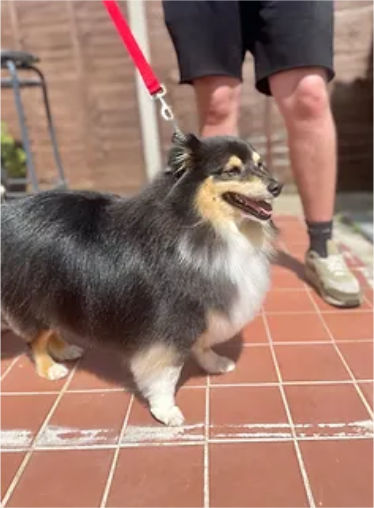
{"points": [[259, 209]]}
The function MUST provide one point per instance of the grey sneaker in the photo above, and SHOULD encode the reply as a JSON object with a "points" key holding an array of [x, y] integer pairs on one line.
{"points": [[332, 278]]}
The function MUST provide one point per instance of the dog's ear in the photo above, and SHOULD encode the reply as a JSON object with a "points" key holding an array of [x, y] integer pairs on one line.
{"points": [[189, 141], [181, 155]]}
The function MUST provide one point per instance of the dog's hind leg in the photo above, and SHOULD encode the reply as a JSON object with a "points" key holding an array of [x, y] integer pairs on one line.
{"points": [[61, 350], [156, 371], [45, 366]]}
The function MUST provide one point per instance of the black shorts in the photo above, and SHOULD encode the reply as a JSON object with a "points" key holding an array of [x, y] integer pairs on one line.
{"points": [[212, 37]]}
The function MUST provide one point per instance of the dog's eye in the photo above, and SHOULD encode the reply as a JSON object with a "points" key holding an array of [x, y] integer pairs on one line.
{"points": [[233, 171]]}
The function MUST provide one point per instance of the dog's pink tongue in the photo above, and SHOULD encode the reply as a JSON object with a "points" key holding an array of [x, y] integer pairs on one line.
{"points": [[262, 207]]}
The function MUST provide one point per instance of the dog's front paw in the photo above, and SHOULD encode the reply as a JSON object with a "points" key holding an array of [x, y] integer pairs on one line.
{"points": [[172, 416], [57, 371], [213, 363], [222, 364]]}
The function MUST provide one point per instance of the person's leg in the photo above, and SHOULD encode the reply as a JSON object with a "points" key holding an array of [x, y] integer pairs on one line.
{"points": [[210, 57], [217, 100], [302, 98]]}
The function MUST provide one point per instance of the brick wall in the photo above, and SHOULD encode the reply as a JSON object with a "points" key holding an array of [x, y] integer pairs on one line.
{"points": [[93, 96], [92, 92]]}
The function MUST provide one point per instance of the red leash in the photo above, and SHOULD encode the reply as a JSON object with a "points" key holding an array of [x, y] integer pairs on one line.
{"points": [[155, 88]]}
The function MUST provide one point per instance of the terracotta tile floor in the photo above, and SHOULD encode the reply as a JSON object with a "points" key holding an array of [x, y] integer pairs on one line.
{"points": [[291, 426]]}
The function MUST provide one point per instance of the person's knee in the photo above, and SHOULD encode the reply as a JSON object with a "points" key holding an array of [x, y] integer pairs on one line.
{"points": [[311, 98], [217, 100], [222, 103], [306, 99]]}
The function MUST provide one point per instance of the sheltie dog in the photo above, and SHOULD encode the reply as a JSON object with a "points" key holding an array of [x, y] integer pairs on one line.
{"points": [[175, 269]]}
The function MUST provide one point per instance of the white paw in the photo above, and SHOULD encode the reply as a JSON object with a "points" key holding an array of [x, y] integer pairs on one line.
{"points": [[70, 352], [226, 365], [57, 371], [215, 364], [172, 416]]}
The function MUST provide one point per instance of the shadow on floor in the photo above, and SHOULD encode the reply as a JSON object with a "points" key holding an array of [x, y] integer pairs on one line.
{"points": [[291, 263], [11, 344], [110, 366]]}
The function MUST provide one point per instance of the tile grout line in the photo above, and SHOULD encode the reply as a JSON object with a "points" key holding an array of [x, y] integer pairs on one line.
{"points": [[206, 443], [95, 390], [213, 385], [145, 444], [312, 342], [6, 394], [289, 383], [107, 390], [298, 312], [307, 487], [302, 342], [343, 360], [9, 368], [285, 439], [32, 447], [117, 449]]}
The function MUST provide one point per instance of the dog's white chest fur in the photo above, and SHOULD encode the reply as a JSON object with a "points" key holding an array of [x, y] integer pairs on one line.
{"points": [[248, 269]]}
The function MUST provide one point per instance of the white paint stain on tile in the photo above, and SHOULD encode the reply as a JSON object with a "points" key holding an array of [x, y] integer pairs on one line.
{"points": [[261, 425], [59, 436], [254, 435], [360, 425], [141, 434], [15, 438], [360, 428], [55, 435], [254, 430]]}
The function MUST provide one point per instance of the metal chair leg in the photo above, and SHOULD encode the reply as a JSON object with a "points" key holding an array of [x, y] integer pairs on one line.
{"points": [[51, 128], [24, 131]]}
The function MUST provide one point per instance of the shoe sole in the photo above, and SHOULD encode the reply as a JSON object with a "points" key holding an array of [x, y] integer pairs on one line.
{"points": [[315, 282]]}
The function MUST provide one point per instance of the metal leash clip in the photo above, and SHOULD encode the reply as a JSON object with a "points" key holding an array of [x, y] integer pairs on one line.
{"points": [[165, 110]]}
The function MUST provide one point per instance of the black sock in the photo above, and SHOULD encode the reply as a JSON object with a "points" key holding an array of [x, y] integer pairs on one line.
{"points": [[319, 233]]}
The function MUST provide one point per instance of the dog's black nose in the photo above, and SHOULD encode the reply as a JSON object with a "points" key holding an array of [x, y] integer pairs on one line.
{"points": [[275, 188]]}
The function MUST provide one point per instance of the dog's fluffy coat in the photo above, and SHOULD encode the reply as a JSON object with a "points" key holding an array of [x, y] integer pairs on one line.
{"points": [[179, 267]]}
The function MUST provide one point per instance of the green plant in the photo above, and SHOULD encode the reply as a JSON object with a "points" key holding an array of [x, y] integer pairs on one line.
{"points": [[13, 156]]}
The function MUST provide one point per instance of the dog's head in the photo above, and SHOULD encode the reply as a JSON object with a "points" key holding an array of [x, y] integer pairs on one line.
{"points": [[232, 182]]}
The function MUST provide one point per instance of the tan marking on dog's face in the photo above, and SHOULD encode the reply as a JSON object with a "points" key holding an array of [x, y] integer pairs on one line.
{"points": [[256, 157], [233, 162], [212, 207], [253, 187], [153, 359]]}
